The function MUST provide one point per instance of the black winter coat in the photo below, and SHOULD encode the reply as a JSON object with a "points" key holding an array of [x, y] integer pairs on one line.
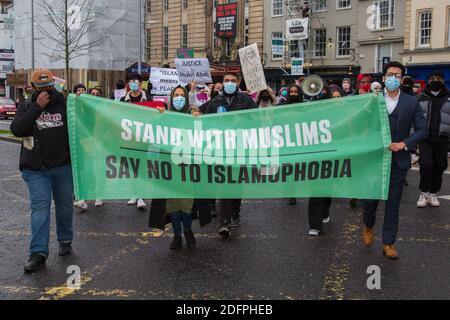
{"points": [[46, 138]]}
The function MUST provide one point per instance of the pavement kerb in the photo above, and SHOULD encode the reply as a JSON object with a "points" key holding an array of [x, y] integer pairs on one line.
{"points": [[10, 139]]}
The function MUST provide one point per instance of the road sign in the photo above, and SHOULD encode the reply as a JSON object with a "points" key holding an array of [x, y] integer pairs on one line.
{"points": [[17, 79]]}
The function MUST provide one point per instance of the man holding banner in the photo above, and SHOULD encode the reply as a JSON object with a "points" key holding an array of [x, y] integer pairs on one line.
{"points": [[136, 95], [404, 113], [231, 100]]}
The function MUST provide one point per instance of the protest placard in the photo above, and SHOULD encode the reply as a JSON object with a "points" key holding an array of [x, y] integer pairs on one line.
{"points": [[163, 80], [252, 68], [196, 69]]}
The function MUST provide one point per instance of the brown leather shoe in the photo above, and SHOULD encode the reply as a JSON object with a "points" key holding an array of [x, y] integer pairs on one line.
{"points": [[390, 252], [367, 236]]}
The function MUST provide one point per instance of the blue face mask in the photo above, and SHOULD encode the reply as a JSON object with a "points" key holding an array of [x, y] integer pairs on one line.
{"points": [[179, 102], [134, 86], [230, 87], [392, 83]]}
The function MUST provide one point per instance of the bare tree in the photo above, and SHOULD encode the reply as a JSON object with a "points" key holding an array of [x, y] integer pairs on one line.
{"points": [[71, 21]]}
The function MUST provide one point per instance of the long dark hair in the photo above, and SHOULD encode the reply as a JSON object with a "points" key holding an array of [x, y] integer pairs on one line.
{"points": [[186, 96], [297, 99]]}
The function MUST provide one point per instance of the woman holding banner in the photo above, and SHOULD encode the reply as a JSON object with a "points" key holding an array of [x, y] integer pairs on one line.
{"points": [[179, 210], [294, 95]]}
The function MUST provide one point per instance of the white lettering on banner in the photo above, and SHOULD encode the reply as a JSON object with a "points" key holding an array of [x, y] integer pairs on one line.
{"points": [[163, 80], [196, 69], [300, 134], [252, 68]]}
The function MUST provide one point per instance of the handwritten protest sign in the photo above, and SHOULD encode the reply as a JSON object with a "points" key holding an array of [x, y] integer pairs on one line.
{"points": [[252, 68], [163, 80], [196, 69]]}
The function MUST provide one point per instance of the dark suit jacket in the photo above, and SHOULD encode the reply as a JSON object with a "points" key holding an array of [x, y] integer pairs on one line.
{"points": [[410, 116]]}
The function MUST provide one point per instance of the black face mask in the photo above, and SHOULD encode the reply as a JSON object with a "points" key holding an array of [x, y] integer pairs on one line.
{"points": [[49, 91], [436, 86], [266, 98], [215, 94], [294, 99]]}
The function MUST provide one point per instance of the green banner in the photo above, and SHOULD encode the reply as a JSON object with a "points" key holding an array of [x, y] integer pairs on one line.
{"points": [[328, 148]]}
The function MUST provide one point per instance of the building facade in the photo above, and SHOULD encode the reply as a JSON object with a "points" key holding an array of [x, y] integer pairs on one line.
{"points": [[172, 25], [427, 38], [380, 33], [330, 49]]}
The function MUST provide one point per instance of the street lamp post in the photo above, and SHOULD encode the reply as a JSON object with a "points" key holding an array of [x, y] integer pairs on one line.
{"points": [[140, 38], [32, 35]]}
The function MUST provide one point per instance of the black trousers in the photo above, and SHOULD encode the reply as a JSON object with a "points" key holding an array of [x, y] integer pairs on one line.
{"points": [[228, 208], [392, 206], [433, 163], [318, 209]]}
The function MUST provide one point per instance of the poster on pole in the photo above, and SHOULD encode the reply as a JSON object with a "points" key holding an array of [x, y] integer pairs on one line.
{"points": [[297, 67], [163, 80], [297, 29], [196, 69], [252, 68]]}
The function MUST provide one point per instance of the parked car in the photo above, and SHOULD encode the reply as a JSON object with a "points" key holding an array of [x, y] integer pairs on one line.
{"points": [[7, 108]]}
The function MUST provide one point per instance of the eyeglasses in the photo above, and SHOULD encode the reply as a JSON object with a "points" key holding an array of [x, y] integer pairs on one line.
{"points": [[397, 75]]}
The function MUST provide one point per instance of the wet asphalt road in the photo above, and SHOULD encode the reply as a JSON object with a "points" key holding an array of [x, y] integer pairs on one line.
{"points": [[269, 257]]}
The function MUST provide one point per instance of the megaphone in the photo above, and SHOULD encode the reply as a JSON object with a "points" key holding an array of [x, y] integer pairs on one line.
{"points": [[312, 85]]}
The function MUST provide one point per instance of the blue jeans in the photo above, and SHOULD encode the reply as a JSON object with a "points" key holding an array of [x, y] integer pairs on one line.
{"points": [[177, 219], [41, 186]]}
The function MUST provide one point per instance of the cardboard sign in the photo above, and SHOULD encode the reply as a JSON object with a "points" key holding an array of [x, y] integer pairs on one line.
{"points": [[163, 80], [196, 69], [17, 79], [252, 68]]}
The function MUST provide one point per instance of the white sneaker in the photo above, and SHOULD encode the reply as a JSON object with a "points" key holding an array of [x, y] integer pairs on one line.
{"points": [[423, 200], [132, 201], [81, 204], [141, 204], [433, 200], [313, 232], [98, 203], [326, 220]]}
